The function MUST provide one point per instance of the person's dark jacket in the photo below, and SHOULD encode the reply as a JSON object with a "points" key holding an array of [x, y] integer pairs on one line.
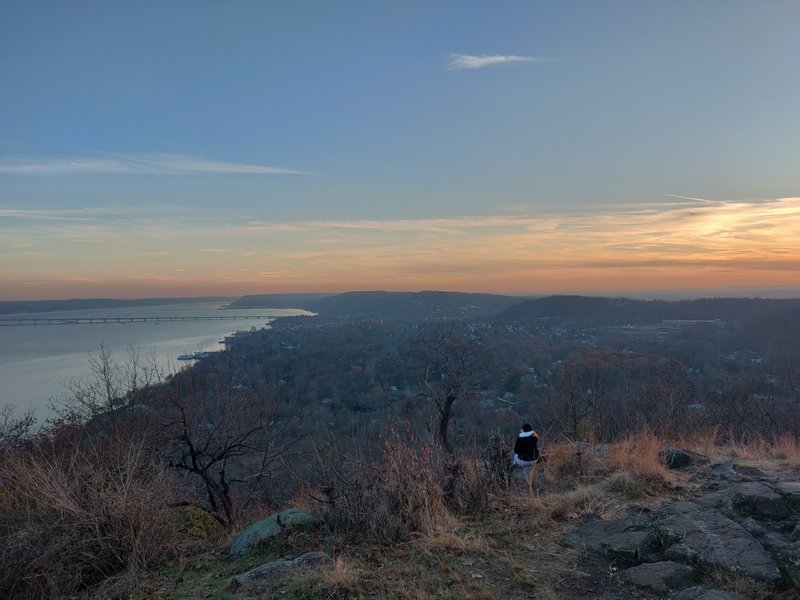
{"points": [[526, 446]]}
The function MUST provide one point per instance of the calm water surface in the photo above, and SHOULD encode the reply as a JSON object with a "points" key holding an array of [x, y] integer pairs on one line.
{"points": [[37, 360]]}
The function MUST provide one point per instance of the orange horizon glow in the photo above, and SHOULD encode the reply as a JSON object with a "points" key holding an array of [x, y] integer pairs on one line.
{"points": [[675, 246]]}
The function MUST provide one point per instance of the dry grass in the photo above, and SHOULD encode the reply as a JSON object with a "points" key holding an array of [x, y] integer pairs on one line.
{"points": [[341, 580], [457, 544], [388, 499], [724, 445], [638, 455], [83, 517]]}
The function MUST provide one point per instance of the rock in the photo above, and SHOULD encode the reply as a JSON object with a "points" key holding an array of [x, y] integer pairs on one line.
{"points": [[278, 571], [788, 557], [790, 490], [724, 471], [269, 527], [795, 535], [701, 592], [755, 498], [660, 577], [719, 499], [627, 541], [712, 540], [679, 508], [753, 527], [749, 472], [676, 458]]}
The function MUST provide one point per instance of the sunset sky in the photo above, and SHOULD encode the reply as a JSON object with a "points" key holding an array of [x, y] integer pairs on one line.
{"points": [[223, 148]]}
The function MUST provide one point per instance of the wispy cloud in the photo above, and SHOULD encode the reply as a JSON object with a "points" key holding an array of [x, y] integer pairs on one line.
{"points": [[462, 62], [93, 213], [141, 164]]}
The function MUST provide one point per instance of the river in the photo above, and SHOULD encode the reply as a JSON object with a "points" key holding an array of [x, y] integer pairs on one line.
{"points": [[36, 361]]}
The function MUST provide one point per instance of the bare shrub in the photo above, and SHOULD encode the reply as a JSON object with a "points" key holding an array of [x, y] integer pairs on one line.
{"points": [[15, 430], [568, 463], [89, 515], [387, 498], [497, 458]]}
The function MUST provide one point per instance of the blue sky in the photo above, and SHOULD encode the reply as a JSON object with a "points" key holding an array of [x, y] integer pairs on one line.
{"points": [[151, 148]]}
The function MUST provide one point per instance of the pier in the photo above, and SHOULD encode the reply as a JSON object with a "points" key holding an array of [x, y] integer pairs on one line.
{"points": [[16, 321]]}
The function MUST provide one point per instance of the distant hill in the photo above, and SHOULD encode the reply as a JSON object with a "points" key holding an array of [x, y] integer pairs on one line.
{"points": [[412, 305], [387, 305], [597, 311]]}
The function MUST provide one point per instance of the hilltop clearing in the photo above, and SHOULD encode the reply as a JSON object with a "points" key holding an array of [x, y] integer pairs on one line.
{"points": [[600, 521]]}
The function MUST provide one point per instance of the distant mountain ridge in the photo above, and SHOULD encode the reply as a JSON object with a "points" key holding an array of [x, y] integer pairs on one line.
{"points": [[599, 311], [388, 305]]}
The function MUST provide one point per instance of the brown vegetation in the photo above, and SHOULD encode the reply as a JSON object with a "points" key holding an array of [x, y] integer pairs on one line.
{"points": [[82, 516]]}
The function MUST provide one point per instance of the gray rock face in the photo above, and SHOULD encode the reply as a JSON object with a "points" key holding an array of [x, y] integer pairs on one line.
{"points": [[269, 527], [627, 541], [755, 498], [661, 577], [743, 526], [682, 532], [701, 592], [712, 540], [280, 571]]}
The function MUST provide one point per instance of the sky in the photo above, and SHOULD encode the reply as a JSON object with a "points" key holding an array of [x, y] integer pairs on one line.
{"points": [[190, 148]]}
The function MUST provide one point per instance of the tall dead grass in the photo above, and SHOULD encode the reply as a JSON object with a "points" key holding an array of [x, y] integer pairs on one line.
{"points": [[722, 444], [413, 486], [384, 499], [81, 517]]}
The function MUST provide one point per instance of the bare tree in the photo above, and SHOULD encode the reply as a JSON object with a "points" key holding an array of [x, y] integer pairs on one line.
{"points": [[15, 429], [223, 433], [450, 372], [110, 384]]}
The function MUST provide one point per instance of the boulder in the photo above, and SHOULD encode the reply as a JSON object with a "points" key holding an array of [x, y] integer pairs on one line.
{"points": [[661, 577], [711, 540], [755, 498], [749, 472], [676, 458], [627, 541], [269, 527], [278, 572], [724, 471], [701, 592]]}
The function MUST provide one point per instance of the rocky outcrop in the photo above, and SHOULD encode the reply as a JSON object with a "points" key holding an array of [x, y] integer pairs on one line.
{"points": [[269, 527], [744, 527], [627, 542], [756, 499], [713, 541]]}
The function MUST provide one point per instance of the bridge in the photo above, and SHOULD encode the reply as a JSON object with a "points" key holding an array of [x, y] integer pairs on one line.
{"points": [[16, 321]]}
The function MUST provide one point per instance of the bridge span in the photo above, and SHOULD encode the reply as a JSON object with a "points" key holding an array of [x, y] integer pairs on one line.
{"points": [[16, 321]]}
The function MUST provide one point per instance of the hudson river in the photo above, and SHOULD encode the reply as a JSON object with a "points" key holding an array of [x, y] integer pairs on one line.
{"points": [[37, 360]]}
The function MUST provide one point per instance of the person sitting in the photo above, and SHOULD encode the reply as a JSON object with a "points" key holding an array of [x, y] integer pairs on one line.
{"points": [[526, 452]]}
